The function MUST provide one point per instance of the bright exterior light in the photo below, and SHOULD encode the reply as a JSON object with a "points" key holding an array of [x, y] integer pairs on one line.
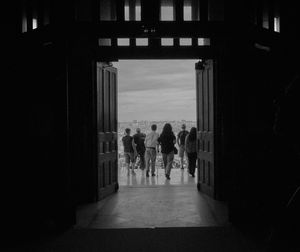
{"points": [[104, 42], [167, 42], [276, 24], [123, 42], [138, 13], [167, 13], [187, 13], [126, 9], [141, 42], [34, 23], [185, 42], [203, 41]]}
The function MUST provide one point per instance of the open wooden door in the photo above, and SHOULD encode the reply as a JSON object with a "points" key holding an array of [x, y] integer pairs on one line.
{"points": [[107, 126], [205, 126]]}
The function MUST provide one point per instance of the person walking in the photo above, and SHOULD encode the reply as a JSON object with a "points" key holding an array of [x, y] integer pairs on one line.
{"points": [[191, 150], [129, 150], [167, 140], [139, 139], [151, 145], [181, 144]]}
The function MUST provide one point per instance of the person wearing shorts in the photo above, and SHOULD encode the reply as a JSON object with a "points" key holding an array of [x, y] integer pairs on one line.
{"points": [[181, 143], [129, 151]]}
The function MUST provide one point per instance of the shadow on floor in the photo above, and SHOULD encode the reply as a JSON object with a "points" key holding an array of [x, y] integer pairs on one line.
{"points": [[201, 239]]}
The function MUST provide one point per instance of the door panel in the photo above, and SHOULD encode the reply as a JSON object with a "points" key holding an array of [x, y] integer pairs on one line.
{"points": [[205, 125], [107, 156]]}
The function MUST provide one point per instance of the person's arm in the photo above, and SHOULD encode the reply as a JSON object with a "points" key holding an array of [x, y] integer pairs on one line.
{"points": [[186, 142], [134, 140], [157, 145], [145, 140], [134, 147], [178, 138]]}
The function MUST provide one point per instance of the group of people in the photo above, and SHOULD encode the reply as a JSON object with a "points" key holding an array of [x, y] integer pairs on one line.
{"points": [[147, 146]]}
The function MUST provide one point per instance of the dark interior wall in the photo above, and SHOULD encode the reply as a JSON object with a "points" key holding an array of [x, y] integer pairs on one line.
{"points": [[48, 118], [37, 188], [51, 124], [84, 10], [253, 111], [9, 188], [82, 70], [39, 173], [225, 127], [264, 161], [260, 163]]}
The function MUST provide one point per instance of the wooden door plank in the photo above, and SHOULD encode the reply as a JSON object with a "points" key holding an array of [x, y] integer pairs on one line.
{"points": [[107, 127], [205, 117]]}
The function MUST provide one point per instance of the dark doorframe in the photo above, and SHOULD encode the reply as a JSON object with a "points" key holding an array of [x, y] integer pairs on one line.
{"points": [[216, 179]]}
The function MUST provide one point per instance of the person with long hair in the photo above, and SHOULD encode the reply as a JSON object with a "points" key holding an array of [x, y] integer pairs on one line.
{"points": [[191, 150], [167, 140], [139, 139]]}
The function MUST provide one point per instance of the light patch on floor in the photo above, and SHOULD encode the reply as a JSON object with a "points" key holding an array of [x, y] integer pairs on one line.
{"points": [[143, 202]]}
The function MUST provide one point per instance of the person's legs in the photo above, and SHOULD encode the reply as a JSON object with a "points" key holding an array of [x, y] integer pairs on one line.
{"points": [[194, 162], [164, 156], [137, 161], [153, 160], [170, 158], [147, 161], [190, 161], [186, 158], [192, 157], [127, 162], [181, 155], [131, 155], [142, 159]]}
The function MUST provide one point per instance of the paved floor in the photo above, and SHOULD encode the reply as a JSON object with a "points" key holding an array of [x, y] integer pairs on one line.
{"points": [[143, 202]]}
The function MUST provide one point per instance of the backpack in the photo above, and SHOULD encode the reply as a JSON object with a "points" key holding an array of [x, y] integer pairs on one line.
{"points": [[182, 134]]}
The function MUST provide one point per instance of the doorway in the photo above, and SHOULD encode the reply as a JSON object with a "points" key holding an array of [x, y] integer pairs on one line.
{"points": [[207, 127], [197, 208], [156, 92]]}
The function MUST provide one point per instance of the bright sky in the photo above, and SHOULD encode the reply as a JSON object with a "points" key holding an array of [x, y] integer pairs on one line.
{"points": [[156, 90]]}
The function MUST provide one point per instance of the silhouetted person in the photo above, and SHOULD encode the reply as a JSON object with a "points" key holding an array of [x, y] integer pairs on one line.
{"points": [[139, 139], [151, 145], [129, 150], [191, 150], [181, 143], [167, 140]]}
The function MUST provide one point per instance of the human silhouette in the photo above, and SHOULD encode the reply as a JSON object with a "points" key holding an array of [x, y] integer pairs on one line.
{"points": [[129, 151], [167, 140], [151, 145], [181, 143], [191, 150]]}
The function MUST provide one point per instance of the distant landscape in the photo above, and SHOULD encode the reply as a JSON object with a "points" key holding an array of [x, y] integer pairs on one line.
{"points": [[145, 127]]}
